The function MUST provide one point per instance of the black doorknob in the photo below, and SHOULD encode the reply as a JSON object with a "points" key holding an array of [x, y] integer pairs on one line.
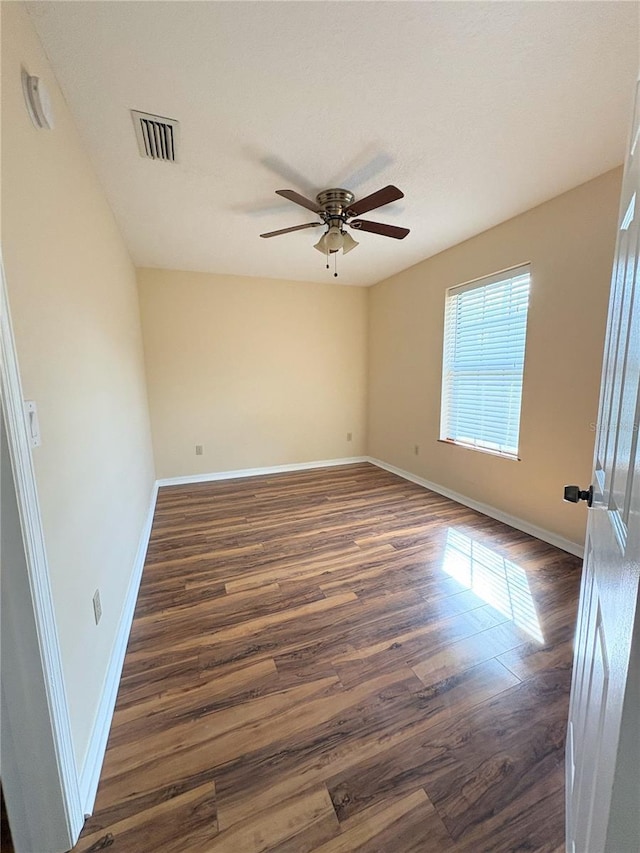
{"points": [[573, 494]]}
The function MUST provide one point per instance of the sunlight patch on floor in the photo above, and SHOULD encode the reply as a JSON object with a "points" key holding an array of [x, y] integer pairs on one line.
{"points": [[497, 581]]}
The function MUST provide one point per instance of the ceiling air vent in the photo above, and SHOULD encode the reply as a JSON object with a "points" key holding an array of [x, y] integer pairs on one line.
{"points": [[157, 136]]}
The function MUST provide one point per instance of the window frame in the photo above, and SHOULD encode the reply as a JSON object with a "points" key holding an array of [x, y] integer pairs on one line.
{"points": [[446, 381]]}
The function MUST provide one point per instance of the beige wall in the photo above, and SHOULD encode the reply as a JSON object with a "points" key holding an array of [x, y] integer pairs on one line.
{"points": [[75, 312], [258, 371], [569, 242]]}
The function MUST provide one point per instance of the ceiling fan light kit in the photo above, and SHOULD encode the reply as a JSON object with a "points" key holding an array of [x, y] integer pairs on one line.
{"points": [[336, 207], [348, 243]]}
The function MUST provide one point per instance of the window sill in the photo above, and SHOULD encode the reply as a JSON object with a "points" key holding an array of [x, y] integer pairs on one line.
{"points": [[486, 450]]}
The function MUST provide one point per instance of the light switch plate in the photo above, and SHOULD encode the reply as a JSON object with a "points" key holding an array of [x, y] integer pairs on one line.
{"points": [[97, 606], [33, 425]]}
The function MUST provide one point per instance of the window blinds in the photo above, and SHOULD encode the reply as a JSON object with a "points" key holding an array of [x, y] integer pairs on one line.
{"points": [[484, 341]]}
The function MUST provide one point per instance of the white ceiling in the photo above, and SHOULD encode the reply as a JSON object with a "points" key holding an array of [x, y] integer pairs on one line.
{"points": [[476, 110]]}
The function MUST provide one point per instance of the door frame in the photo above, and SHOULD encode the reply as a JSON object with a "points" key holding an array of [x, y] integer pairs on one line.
{"points": [[71, 811]]}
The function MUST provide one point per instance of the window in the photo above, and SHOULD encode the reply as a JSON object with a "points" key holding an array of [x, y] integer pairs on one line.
{"points": [[484, 337]]}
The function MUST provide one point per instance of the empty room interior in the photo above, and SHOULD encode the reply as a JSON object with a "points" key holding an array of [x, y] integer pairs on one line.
{"points": [[320, 402]]}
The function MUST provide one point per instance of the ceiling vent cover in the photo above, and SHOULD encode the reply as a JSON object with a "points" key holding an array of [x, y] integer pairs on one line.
{"points": [[157, 136]]}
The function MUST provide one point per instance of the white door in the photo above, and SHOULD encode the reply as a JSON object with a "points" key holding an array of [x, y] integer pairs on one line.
{"points": [[603, 741]]}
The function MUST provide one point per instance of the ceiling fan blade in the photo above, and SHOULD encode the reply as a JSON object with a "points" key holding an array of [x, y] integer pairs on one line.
{"points": [[377, 199], [296, 198], [380, 228], [294, 228]]}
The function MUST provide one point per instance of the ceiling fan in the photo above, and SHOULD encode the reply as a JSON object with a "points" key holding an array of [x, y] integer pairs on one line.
{"points": [[336, 207]]}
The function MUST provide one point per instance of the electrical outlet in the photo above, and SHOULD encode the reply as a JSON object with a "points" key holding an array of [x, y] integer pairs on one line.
{"points": [[198, 450], [416, 449], [97, 606], [349, 436]]}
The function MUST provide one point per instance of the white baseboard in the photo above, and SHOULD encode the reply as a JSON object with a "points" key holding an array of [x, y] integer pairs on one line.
{"points": [[258, 472], [92, 767], [485, 509]]}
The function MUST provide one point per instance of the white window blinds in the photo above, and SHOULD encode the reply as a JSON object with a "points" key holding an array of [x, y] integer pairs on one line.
{"points": [[484, 340]]}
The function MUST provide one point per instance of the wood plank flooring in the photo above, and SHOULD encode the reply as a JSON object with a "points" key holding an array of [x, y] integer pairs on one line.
{"points": [[339, 660]]}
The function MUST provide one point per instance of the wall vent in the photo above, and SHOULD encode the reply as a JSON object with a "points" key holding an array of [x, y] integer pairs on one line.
{"points": [[157, 136]]}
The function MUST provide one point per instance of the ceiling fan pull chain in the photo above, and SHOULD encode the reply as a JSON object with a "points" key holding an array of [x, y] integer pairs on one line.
{"points": [[335, 265]]}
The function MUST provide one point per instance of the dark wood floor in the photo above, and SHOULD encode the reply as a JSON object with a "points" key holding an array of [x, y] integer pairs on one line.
{"points": [[339, 660]]}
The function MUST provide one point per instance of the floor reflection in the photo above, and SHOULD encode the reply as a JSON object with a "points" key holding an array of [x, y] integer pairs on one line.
{"points": [[499, 582]]}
